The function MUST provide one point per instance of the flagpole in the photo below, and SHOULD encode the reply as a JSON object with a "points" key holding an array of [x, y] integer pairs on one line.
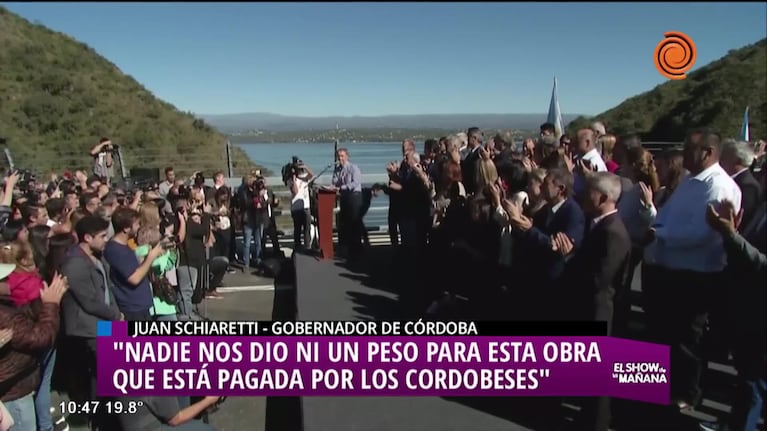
{"points": [[335, 146]]}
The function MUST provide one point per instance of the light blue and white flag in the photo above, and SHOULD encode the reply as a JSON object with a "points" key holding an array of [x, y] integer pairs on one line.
{"points": [[744, 132], [555, 115]]}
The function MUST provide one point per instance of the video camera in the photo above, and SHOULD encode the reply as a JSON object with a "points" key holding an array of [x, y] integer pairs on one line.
{"points": [[294, 168], [259, 183], [145, 186], [26, 178]]}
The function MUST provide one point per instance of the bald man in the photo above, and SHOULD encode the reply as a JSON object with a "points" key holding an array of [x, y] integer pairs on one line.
{"points": [[586, 151]]}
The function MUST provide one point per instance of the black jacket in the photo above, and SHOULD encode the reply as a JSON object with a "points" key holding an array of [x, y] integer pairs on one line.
{"points": [[251, 213], [748, 296], [751, 192], [588, 284]]}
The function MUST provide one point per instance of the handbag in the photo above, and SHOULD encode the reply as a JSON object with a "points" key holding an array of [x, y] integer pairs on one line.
{"points": [[6, 420], [162, 288]]}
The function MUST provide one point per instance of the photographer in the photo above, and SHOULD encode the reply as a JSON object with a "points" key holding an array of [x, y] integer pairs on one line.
{"points": [[6, 199], [165, 297], [193, 253], [255, 215], [299, 176], [222, 223], [102, 158]]}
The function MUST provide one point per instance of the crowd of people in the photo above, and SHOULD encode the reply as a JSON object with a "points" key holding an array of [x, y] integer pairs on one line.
{"points": [[556, 228], [552, 229], [83, 247]]}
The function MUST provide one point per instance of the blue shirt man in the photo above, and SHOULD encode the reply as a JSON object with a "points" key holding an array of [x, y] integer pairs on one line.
{"points": [[347, 180]]}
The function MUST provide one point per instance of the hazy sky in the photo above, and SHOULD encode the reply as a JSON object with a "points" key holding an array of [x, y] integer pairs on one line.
{"points": [[396, 58]]}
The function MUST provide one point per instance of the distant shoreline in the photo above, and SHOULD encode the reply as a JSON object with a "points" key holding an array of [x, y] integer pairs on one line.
{"points": [[360, 135]]}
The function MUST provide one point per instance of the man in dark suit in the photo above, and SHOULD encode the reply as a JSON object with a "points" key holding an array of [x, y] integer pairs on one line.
{"points": [[594, 272], [746, 256], [736, 159], [469, 164], [561, 214]]}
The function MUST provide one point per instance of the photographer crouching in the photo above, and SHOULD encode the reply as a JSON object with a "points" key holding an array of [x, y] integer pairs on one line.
{"points": [[297, 176]]}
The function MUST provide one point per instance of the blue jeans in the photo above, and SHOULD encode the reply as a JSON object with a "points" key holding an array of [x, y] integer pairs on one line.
{"points": [[251, 232], [22, 411], [43, 395], [187, 282], [747, 405]]}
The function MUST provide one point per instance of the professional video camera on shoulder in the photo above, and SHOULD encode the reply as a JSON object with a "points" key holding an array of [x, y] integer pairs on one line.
{"points": [[295, 168]]}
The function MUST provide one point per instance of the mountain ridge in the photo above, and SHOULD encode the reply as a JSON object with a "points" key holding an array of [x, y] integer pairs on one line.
{"points": [[715, 95], [266, 121], [58, 96]]}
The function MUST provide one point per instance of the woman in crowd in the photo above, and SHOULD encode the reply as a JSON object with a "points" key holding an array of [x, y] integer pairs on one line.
{"points": [[33, 338], [487, 173], [39, 241], [25, 284], [534, 196], [164, 296], [222, 223], [607, 144], [15, 230]]}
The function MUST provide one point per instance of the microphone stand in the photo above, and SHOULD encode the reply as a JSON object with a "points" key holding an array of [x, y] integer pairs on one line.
{"points": [[322, 172]]}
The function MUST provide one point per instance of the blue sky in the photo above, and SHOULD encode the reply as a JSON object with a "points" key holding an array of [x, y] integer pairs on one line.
{"points": [[396, 58]]}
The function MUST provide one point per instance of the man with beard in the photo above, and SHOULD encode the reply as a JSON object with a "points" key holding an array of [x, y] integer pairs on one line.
{"points": [[128, 276], [89, 300]]}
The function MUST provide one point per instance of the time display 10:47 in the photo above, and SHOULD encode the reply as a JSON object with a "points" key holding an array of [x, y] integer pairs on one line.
{"points": [[113, 407]]}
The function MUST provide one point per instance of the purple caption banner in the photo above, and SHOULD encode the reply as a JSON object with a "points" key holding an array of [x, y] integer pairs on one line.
{"points": [[487, 366]]}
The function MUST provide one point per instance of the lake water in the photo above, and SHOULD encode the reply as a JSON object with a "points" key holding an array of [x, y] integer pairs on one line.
{"points": [[370, 157]]}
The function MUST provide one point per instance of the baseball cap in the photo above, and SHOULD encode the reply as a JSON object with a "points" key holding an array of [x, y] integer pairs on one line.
{"points": [[6, 269]]}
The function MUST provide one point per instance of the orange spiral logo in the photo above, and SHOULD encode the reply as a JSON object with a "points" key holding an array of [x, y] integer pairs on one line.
{"points": [[675, 55]]}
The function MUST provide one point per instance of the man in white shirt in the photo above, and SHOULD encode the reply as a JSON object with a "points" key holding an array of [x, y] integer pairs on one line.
{"points": [[300, 208], [170, 181], [588, 155], [684, 263]]}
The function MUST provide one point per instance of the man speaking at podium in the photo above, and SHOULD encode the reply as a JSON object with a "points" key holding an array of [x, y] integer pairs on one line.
{"points": [[347, 182]]}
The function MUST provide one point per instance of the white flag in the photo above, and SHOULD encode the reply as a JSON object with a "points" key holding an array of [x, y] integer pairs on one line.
{"points": [[745, 133], [555, 115]]}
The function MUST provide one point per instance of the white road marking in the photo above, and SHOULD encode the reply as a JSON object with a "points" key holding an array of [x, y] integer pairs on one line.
{"points": [[259, 288]]}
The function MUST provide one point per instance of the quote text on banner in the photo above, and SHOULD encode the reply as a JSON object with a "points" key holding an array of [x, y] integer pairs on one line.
{"points": [[381, 366]]}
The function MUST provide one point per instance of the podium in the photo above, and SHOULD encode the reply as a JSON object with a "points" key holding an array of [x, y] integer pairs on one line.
{"points": [[326, 203]]}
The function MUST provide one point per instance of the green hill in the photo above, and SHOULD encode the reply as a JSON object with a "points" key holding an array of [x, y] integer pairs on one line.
{"points": [[58, 97], [715, 95]]}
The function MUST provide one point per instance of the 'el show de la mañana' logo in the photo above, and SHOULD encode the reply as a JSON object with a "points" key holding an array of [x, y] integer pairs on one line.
{"points": [[675, 55], [639, 372]]}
